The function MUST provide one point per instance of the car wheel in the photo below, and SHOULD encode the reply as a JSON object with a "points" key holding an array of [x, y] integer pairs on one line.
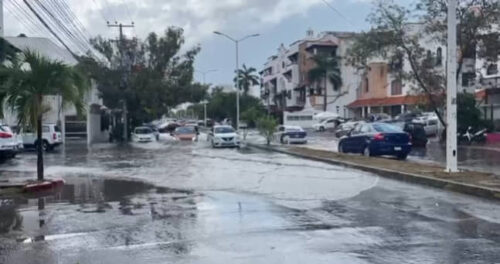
{"points": [[367, 152], [322, 129], [341, 148], [402, 156]]}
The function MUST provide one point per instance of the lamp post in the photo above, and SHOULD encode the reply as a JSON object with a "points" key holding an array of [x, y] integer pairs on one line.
{"points": [[451, 94], [204, 74], [236, 42]]}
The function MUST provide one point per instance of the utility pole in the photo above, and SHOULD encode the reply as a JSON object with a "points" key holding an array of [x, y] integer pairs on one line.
{"points": [[451, 95], [1, 19], [120, 26]]}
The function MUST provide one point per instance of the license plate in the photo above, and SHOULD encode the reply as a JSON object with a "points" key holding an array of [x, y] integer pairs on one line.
{"points": [[397, 148]]}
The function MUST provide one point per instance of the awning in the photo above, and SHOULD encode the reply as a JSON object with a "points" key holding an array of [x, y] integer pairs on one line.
{"points": [[389, 101]]}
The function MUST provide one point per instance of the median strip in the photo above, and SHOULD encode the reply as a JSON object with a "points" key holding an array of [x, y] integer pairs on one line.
{"points": [[467, 182]]}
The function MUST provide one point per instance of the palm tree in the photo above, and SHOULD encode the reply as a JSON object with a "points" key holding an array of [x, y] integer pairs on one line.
{"points": [[247, 77], [29, 78], [326, 66]]}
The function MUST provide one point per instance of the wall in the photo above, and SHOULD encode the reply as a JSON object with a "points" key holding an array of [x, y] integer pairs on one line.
{"points": [[377, 77]]}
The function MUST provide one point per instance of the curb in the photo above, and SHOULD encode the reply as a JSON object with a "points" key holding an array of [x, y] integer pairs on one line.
{"points": [[464, 188]]}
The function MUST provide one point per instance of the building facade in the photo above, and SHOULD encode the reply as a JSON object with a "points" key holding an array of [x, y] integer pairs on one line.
{"points": [[288, 92]]}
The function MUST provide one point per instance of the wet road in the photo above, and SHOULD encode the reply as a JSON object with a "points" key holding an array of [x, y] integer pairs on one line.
{"points": [[188, 203]]}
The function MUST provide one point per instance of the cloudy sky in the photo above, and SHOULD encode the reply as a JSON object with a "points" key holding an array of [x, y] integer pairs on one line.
{"points": [[278, 21]]}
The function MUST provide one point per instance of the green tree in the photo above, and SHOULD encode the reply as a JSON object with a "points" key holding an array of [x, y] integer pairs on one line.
{"points": [[267, 126], [391, 38], [247, 77], [153, 77], [327, 68], [28, 79], [252, 114]]}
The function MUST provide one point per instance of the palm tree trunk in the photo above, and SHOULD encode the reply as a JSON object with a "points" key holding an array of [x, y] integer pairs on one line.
{"points": [[325, 95], [39, 146]]}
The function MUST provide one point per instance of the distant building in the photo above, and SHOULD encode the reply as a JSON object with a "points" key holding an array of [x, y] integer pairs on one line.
{"points": [[91, 126], [286, 89]]}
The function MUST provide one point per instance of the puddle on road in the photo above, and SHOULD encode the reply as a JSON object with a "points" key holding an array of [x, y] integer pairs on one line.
{"points": [[85, 205]]}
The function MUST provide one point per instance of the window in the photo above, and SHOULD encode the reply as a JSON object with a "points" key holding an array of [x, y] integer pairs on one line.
{"points": [[386, 128], [283, 65], [365, 129], [396, 87], [338, 109], [432, 122], [439, 56], [492, 69], [319, 90], [468, 79], [45, 129], [366, 85]]}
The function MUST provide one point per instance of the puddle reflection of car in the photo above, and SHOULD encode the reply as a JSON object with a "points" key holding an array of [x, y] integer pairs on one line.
{"points": [[291, 135], [143, 135], [223, 136], [186, 133]]}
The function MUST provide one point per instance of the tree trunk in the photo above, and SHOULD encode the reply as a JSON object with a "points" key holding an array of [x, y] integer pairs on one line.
{"points": [[325, 95], [39, 146]]}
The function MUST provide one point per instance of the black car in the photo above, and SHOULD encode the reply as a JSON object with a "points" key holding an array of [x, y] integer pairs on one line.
{"points": [[416, 131], [376, 139]]}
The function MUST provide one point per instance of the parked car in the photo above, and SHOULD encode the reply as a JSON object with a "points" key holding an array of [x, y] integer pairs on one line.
{"points": [[416, 131], [186, 133], [379, 117], [375, 139], [345, 128], [291, 134], [408, 117], [10, 142], [143, 134], [156, 132], [326, 124], [223, 136], [430, 124], [51, 137]]}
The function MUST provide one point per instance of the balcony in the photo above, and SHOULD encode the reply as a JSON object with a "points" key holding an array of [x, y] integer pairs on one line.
{"points": [[492, 82]]}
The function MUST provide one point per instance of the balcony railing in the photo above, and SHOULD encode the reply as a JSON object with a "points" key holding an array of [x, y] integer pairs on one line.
{"points": [[490, 82]]}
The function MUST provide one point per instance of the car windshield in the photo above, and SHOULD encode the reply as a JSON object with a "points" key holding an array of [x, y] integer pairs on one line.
{"points": [[386, 128], [143, 130], [185, 130], [224, 130], [57, 129]]}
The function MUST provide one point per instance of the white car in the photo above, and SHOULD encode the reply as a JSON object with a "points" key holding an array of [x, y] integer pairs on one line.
{"points": [[51, 137], [10, 142], [143, 134], [430, 124], [326, 124], [223, 136], [291, 135]]}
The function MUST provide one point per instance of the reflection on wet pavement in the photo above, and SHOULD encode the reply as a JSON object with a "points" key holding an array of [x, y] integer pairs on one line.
{"points": [[171, 203]]}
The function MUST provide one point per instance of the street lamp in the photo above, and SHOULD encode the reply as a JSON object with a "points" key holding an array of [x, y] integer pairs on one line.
{"points": [[204, 74], [236, 42], [451, 94]]}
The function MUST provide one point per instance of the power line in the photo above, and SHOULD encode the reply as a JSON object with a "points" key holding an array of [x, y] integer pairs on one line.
{"points": [[27, 26], [59, 24], [70, 21], [100, 11], [338, 12], [49, 28]]}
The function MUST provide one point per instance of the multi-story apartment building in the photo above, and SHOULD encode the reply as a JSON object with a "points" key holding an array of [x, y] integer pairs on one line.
{"points": [[287, 90]]}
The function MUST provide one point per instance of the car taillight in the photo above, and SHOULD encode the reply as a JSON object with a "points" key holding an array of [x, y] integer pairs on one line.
{"points": [[5, 135], [378, 137], [54, 136]]}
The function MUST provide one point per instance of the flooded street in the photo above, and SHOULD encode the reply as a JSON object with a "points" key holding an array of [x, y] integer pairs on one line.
{"points": [[168, 202]]}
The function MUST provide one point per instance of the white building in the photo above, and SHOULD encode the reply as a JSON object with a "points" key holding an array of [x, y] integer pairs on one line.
{"points": [[286, 88], [71, 125]]}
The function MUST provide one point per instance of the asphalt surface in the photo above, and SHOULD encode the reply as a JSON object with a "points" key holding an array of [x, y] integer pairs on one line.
{"points": [[167, 202]]}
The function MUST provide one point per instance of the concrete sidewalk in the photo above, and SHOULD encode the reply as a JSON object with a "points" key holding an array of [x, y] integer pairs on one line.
{"points": [[479, 184]]}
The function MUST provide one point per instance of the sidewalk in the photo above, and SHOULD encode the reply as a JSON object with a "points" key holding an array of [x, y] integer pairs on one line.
{"points": [[479, 184]]}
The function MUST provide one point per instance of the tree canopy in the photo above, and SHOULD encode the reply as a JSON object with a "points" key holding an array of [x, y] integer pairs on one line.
{"points": [[151, 76]]}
